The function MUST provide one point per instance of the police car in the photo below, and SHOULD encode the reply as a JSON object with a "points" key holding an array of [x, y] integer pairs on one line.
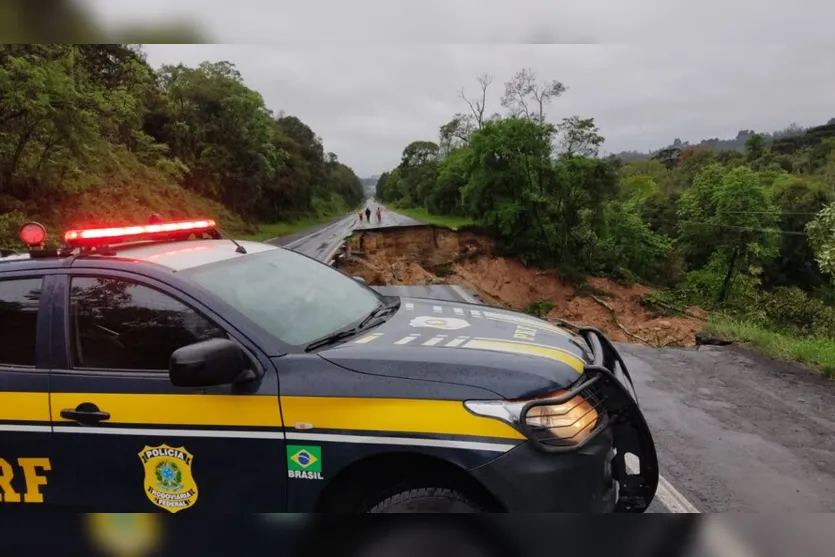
{"points": [[165, 367]]}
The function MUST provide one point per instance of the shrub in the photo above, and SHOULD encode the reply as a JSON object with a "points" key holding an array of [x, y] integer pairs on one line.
{"points": [[540, 308], [792, 309]]}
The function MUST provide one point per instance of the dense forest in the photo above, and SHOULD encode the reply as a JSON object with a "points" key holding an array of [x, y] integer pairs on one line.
{"points": [[749, 233], [719, 145], [90, 133]]}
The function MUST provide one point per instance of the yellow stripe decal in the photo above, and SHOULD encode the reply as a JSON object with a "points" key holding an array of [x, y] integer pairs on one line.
{"points": [[205, 410], [368, 338], [392, 414], [514, 347], [25, 407]]}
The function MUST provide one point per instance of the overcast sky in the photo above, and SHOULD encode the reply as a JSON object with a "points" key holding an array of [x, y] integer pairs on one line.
{"points": [[371, 76]]}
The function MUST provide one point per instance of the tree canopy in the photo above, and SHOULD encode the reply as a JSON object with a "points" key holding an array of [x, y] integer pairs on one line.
{"points": [[93, 133], [725, 224]]}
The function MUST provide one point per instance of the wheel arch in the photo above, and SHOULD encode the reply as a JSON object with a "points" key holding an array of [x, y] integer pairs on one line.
{"points": [[374, 475]]}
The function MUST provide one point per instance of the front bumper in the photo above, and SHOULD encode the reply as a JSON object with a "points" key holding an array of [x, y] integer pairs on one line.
{"points": [[529, 480], [593, 475]]}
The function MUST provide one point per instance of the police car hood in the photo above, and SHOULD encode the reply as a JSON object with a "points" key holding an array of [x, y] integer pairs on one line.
{"points": [[512, 354]]}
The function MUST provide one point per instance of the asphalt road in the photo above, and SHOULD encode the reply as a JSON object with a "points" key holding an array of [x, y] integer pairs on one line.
{"points": [[322, 241]]}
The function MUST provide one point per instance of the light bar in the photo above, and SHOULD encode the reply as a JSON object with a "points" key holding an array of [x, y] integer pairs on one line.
{"points": [[116, 234]]}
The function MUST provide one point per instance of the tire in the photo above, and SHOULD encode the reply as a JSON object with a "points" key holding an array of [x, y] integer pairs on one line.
{"points": [[426, 500]]}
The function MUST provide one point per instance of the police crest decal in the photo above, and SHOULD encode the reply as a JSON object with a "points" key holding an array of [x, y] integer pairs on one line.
{"points": [[168, 481]]}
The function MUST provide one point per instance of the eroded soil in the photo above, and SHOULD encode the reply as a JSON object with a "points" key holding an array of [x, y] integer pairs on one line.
{"points": [[426, 255]]}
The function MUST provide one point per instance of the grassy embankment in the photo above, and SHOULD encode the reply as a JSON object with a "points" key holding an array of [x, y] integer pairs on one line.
{"points": [[423, 215], [274, 230], [818, 352]]}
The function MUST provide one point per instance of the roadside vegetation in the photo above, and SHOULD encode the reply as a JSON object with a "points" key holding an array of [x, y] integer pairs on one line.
{"points": [[91, 134], [743, 228], [454, 222], [817, 351]]}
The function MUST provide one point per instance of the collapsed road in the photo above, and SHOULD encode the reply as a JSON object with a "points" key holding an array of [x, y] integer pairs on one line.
{"points": [[323, 241], [735, 431]]}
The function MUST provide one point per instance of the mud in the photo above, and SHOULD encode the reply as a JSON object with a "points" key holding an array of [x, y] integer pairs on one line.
{"points": [[427, 255]]}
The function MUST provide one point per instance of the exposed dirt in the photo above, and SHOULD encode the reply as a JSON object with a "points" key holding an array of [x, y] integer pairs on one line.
{"points": [[428, 255]]}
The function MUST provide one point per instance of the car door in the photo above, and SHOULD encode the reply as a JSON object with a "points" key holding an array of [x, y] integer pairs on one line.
{"points": [[25, 451], [126, 439]]}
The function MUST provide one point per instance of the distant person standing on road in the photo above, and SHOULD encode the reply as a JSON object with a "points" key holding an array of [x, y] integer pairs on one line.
{"points": [[368, 214], [379, 214], [360, 217]]}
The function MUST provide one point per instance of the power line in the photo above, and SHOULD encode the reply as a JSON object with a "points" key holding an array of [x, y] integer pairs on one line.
{"points": [[767, 213], [749, 229]]}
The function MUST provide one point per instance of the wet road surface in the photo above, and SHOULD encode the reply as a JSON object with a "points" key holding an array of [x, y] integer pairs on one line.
{"points": [[737, 431], [321, 242]]}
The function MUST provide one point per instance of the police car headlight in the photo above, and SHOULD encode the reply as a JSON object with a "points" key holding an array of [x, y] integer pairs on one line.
{"points": [[561, 423]]}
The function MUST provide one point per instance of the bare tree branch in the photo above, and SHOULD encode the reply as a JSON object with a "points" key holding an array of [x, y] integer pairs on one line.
{"points": [[478, 107], [523, 90]]}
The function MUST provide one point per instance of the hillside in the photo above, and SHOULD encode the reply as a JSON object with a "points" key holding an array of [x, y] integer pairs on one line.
{"points": [[732, 144], [93, 134]]}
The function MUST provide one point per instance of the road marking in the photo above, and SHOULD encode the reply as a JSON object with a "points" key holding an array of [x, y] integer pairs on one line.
{"points": [[303, 239], [407, 340], [457, 342], [458, 311], [410, 306], [435, 340], [437, 309]]}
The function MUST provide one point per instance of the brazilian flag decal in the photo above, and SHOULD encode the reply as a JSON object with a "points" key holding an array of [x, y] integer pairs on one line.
{"points": [[304, 462]]}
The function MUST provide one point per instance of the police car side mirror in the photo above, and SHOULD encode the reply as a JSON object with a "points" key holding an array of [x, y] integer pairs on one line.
{"points": [[217, 361]]}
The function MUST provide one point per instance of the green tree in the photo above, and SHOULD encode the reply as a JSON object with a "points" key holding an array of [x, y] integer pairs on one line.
{"points": [[453, 174], [580, 136], [222, 131], [755, 147], [510, 176], [418, 171], [821, 233], [797, 198], [732, 216], [696, 214]]}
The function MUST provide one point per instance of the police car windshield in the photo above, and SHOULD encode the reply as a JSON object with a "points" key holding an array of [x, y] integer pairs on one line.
{"points": [[292, 297]]}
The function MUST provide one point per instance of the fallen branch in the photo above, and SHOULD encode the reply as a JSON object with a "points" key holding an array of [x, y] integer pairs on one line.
{"points": [[674, 342], [675, 309], [626, 331]]}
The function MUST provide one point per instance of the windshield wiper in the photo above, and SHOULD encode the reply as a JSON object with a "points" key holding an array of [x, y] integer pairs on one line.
{"points": [[379, 311], [331, 339]]}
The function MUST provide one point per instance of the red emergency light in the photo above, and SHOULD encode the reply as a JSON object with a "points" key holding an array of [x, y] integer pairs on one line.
{"points": [[115, 235], [32, 234]]}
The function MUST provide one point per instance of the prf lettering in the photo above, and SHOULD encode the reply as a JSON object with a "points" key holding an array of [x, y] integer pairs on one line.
{"points": [[29, 467]]}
